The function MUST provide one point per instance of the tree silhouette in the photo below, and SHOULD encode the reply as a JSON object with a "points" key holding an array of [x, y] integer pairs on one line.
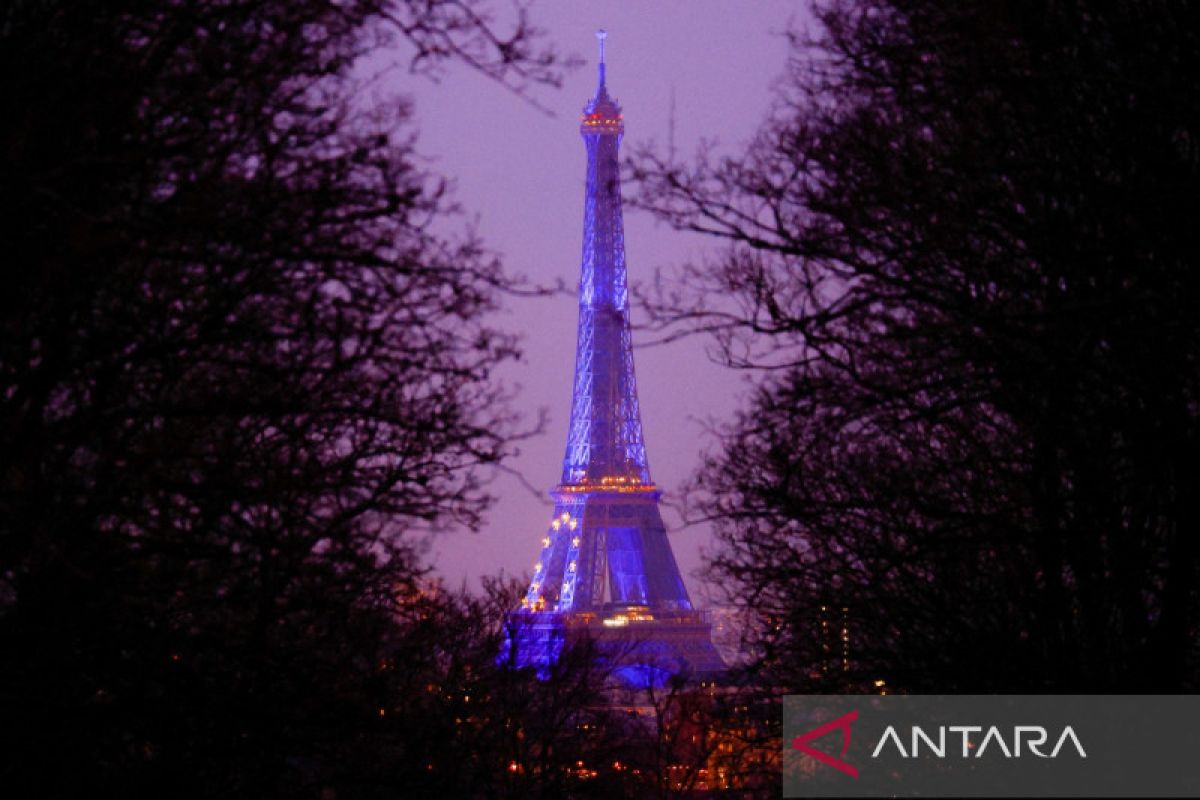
{"points": [[237, 367], [961, 252]]}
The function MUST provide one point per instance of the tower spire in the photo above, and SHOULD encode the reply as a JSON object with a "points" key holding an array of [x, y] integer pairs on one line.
{"points": [[602, 110], [601, 35]]}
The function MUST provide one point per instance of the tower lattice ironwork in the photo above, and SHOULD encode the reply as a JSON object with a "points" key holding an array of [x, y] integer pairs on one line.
{"points": [[606, 566]]}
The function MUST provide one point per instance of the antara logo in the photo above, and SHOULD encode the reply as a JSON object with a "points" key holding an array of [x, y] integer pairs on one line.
{"points": [[1033, 736], [842, 723], [1030, 737]]}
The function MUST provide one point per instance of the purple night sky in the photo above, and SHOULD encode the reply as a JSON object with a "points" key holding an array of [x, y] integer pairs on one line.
{"points": [[522, 173]]}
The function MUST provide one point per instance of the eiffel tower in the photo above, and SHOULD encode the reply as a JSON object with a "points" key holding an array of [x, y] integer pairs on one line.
{"points": [[606, 570]]}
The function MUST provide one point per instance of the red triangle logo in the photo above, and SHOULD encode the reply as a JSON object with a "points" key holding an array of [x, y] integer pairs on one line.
{"points": [[842, 723]]}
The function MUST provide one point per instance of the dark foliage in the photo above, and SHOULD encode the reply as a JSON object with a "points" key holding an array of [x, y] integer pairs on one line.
{"points": [[963, 250], [237, 369]]}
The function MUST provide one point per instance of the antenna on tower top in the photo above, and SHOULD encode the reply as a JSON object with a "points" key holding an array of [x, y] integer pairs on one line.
{"points": [[601, 35]]}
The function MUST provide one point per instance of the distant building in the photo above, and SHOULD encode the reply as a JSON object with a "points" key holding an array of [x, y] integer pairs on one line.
{"points": [[835, 638]]}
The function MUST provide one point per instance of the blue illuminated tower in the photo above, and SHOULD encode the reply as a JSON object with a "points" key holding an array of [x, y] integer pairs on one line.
{"points": [[606, 569]]}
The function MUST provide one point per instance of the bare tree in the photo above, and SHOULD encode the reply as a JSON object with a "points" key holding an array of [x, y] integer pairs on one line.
{"points": [[961, 252], [237, 367]]}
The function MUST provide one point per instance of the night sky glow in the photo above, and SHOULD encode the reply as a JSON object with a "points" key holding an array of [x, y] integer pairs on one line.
{"points": [[522, 173]]}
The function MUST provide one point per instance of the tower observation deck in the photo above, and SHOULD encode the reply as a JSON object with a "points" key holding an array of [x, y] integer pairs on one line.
{"points": [[606, 569]]}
